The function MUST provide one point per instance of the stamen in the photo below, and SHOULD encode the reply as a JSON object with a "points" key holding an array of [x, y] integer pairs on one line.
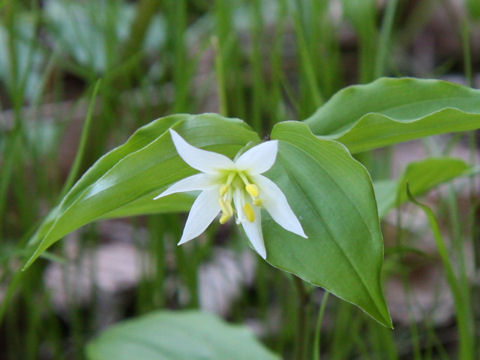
{"points": [[226, 207], [226, 186], [258, 202], [244, 178], [229, 208], [247, 209], [223, 190], [230, 178], [252, 189], [224, 218]]}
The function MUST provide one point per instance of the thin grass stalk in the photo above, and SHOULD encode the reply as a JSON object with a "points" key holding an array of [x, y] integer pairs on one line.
{"points": [[472, 142], [466, 49], [146, 10], [157, 229], [14, 139], [412, 326], [231, 55], [256, 59], [181, 70], [276, 106], [220, 76], [310, 93], [317, 351], [362, 15], [346, 321], [72, 175], [386, 342], [456, 231], [464, 320], [261, 287], [385, 38], [327, 41], [301, 336]]}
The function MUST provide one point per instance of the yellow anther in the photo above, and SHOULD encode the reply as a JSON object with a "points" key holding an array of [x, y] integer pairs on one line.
{"points": [[247, 209], [226, 206], [252, 189], [229, 208], [223, 190], [258, 202], [224, 218]]}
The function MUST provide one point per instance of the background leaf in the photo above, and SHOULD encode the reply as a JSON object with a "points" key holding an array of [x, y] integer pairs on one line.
{"points": [[332, 195], [124, 181], [389, 111], [177, 335], [85, 31], [421, 176]]}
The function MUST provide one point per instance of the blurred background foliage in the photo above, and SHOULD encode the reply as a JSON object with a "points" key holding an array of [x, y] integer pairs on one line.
{"points": [[262, 61]]}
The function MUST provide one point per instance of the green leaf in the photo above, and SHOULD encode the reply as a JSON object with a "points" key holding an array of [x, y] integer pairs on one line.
{"points": [[389, 111], [177, 335], [421, 176], [125, 181], [332, 195]]}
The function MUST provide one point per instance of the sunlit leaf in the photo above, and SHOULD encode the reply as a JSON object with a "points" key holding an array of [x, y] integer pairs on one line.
{"points": [[124, 181], [390, 111]]}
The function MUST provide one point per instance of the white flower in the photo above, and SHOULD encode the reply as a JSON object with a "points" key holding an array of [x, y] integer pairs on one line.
{"points": [[223, 181]]}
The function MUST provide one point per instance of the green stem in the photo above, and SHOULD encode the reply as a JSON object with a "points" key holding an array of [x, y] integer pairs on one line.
{"points": [[467, 58], [385, 37], [146, 10], [83, 141], [462, 313], [303, 300], [318, 330], [220, 77]]}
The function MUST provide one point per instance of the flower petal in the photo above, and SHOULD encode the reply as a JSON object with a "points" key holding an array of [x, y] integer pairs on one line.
{"points": [[258, 159], [204, 210], [205, 161], [275, 202], [254, 232], [191, 183]]}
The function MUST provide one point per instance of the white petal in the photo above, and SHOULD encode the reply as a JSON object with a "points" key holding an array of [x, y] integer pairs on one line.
{"points": [[275, 202], [238, 202], [258, 159], [254, 232], [205, 161], [204, 210], [191, 183]]}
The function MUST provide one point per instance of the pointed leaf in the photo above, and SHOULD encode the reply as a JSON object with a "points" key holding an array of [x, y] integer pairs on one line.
{"points": [[332, 195], [389, 111], [125, 181]]}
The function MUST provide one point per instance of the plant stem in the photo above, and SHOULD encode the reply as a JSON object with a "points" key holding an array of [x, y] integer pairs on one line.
{"points": [[303, 300], [221, 88], [82, 145], [318, 330], [464, 323], [385, 37]]}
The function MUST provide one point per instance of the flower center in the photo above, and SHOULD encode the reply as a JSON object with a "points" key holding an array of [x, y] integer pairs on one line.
{"points": [[238, 180]]}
